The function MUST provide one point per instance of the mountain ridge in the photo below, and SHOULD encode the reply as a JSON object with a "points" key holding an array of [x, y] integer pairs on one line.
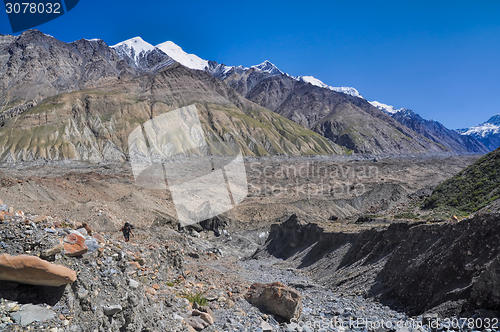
{"points": [[487, 132], [342, 117]]}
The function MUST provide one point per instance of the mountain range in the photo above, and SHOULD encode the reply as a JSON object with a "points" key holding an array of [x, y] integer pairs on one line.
{"points": [[80, 100], [487, 132]]}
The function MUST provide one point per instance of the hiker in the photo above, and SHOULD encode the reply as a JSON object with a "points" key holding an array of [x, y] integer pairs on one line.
{"points": [[127, 231]]}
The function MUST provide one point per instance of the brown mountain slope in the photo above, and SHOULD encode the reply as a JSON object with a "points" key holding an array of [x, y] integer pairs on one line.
{"points": [[346, 120], [94, 124]]}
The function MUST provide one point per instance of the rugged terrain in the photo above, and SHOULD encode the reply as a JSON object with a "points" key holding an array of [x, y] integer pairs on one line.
{"points": [[364, 275], [347, 120], [450, 268], [80, 100], [105, 195], [94, 125]]}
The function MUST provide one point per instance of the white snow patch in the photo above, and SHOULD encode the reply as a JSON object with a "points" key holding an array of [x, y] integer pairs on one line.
{"points": [[189, 60], [343, 89], [268, 67], [385, 108], [137, 43], [483, 130]]}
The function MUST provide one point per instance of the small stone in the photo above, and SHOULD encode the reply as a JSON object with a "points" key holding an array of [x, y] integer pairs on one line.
{"points": [[99, 238], [14, 308], [207, 318], [30, 313], [54, 329], [133, 284], [134, 265], [196, 322], [6, 320], [82, 293], [266, 327], [156, 286], [112, 309], [177, 317], [150, 291], [40, 219], [82, 231], [54, 250]]}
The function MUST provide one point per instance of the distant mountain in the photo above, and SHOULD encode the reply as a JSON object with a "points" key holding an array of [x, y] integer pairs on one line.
{"points": [[35, 65], [222, 72], [389, 109], [343, 117], [487, 132], [439, 133], [343, 89], [142, 56], [81, 100], [433, 130], [38, 71]]}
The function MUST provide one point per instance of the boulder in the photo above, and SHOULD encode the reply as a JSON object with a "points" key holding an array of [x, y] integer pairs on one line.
{"points": [[30, 313], [276, 298], [32, 270], [74, 245]]}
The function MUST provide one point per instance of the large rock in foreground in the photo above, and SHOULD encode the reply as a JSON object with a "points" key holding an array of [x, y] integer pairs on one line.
{"points": [[74, 245], [276, 298], [34, 271]]}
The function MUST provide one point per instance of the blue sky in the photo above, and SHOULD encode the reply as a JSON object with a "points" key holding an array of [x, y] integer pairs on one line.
{"points": [[438, 58]]}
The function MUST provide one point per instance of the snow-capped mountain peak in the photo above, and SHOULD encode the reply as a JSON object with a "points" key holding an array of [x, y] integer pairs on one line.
{"points": [[137, 43], [136, 46], [177, 53], [385, 108], [343, 89], [487, 132], [490, 127], [312, 80], [495, 120], [133, 48], [268, 67]]}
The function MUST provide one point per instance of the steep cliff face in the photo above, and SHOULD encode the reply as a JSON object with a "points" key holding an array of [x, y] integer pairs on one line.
{"points": [[450, 268], [93, 125]]}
